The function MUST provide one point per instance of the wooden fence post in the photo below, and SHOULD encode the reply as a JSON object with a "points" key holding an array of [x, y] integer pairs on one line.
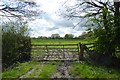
{"points": [[81, 49]]}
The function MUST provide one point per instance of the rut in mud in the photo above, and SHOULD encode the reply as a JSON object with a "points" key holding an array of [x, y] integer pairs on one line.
{"points": [[63, 70]]}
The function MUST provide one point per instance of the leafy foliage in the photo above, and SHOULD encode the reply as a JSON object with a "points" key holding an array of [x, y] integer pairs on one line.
{"points": [[105, 33], [16, 44], [104, 16], [68, 36]]}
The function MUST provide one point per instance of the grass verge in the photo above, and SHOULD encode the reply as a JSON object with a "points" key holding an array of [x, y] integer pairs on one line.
{"points": [[86, 70]]}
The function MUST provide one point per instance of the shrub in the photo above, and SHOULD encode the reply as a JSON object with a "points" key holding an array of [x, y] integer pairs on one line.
{"points": [[16, 44]]}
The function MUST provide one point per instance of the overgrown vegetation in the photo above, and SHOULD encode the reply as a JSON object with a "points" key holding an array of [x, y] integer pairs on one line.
{"points": [[16, 43], [106, 32], [104, 20]]}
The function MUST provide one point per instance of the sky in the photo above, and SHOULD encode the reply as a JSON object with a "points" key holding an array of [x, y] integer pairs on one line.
{"points": [[50, 22]]}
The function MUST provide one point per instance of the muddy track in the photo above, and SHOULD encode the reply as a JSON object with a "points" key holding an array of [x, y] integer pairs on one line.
{"points": [[28, 73], [63, 70]]}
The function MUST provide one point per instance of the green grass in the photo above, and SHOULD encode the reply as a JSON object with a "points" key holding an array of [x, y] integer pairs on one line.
{"points": [[85, 70], [19, 70], [41, 70], [48, 70], [60, 41]]}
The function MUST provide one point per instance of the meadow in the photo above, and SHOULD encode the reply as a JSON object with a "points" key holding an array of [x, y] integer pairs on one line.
{"points": [[60, 41]]}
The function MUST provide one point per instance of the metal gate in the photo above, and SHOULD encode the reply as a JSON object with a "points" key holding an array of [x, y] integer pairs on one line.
{"points": [[42, 52]]}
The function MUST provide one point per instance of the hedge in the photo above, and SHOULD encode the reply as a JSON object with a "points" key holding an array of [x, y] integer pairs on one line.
{"points": [[16, 46]]}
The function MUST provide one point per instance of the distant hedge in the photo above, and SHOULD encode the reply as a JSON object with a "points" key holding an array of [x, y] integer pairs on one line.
{"points": [[16, 44]]}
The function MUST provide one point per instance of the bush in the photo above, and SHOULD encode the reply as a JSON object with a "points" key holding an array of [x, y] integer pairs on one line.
{"points": [[16, 44]]}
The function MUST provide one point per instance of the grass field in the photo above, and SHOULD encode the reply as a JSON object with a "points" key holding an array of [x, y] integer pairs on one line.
{"points": [[60, 41]]}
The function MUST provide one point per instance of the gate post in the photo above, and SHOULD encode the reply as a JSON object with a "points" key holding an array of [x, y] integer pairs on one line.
{"points": [[81, 51], [47, 48]]}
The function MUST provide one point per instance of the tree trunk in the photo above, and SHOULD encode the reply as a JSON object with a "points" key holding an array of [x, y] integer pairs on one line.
{"points": [[117, 12], [117, 21]]}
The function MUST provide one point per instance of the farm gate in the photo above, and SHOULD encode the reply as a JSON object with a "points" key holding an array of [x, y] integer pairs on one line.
{"points": [[42, 52]]}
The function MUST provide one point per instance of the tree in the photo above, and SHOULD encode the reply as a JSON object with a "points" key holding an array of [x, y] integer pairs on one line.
{"points": [[68, 36], [83, 33], [105, 16], [117, 21], [55, 36], [16, 43], [19, 9]]}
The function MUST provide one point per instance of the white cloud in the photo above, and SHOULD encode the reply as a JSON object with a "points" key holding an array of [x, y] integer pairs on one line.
{"points": [[49, 6], [50, 23]]}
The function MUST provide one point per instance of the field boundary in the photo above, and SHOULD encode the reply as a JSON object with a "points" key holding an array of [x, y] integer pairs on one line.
{"points": [[62, 48]]}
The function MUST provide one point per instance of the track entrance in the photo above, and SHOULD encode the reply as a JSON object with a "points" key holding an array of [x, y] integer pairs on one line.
{"points": [[64, 54], [55, 52]]}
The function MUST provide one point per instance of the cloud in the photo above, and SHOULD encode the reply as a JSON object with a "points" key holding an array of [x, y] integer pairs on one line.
{"points": [[50, 23], [56, 21], [54, 28]]}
